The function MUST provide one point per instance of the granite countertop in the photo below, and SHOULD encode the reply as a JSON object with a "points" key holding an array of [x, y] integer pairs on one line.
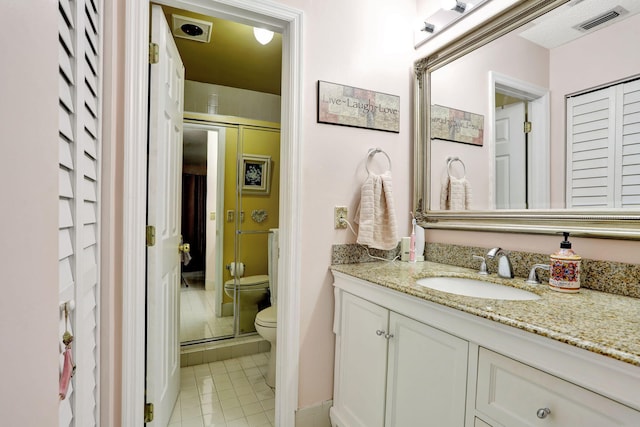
{"points": [[604, 323]]}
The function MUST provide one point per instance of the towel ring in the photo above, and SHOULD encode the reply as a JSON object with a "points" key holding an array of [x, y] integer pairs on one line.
{"points": [[455, 159], [372, 152]]}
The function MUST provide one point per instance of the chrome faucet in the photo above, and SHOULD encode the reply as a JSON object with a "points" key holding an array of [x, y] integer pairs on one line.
{"points": [[483, 266], [504, 263], [533, 274]]}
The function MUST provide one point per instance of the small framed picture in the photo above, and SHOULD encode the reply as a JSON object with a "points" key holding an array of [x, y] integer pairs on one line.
{"points": [[256, 174]]}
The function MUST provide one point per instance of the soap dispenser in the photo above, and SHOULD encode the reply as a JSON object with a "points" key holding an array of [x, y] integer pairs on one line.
{"points": [[565, 268]]}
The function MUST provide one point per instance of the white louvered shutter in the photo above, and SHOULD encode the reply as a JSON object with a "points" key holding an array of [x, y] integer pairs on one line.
{"points": [[603, 151], [80, 49], [628, 139], [590, 149]]}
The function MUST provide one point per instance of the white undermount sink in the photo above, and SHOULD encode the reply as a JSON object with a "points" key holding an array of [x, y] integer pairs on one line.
{"points": [[476, 288]]}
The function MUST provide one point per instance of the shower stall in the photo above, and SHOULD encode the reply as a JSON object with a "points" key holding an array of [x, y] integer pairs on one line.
{"points": [[230, 201]]}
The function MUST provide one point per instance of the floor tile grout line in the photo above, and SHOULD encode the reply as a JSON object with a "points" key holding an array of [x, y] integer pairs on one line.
{"points": [[254, 366]]}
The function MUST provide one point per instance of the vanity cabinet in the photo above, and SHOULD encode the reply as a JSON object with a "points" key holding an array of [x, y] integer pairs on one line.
{"points": [[514, 394], [405, 361], [394, 371]]}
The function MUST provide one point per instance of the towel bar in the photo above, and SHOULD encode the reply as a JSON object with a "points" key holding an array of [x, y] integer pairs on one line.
{"points": [[452, 159], [372, 152]]}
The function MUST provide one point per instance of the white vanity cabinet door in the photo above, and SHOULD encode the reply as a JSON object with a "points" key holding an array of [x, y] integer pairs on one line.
{"points": [[512, 393], [427, 375], [362, 362]]}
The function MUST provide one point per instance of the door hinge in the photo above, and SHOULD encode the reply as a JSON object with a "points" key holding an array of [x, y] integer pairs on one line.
{"points": [[154, 53], [527, 127], [151, 235], [148, 412]]}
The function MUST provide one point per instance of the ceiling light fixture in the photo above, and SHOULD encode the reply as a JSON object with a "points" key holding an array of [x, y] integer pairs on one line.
{"points": [[263, 36]]}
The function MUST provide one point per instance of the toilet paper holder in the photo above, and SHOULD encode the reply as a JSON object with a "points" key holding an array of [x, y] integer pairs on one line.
{"points": [[236, 269]]}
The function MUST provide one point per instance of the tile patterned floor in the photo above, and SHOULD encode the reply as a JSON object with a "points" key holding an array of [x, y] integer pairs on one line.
{"points": [[197, 311], [229, 393]]}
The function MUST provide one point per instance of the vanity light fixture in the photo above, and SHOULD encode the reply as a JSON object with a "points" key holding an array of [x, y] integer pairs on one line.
{"points": [[455, 5], [263, 36], [429, 28]]}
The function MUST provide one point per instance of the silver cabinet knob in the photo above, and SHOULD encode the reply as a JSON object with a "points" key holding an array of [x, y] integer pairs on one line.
{"points": [[379, 332], [388, 336], [543, 412]]}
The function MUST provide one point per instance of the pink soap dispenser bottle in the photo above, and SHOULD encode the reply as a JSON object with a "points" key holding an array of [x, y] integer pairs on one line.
{"points": [[565, 268]]}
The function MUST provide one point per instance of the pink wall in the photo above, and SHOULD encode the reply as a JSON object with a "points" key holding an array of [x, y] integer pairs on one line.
{"points": [[367, 44], [111, 221], [29, 313]]}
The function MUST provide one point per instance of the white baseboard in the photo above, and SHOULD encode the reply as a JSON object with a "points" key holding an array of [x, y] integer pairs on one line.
{"points": [[314, 416]]}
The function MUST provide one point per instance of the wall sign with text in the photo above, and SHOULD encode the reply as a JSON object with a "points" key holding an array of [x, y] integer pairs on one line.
{"points": [[456, 125], [352, 106]]}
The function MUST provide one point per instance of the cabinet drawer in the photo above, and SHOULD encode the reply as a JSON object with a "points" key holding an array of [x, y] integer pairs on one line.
{"points": [[513, 393]]}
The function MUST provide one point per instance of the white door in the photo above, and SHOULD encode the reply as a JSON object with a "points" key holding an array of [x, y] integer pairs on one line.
{"points": [[163, 212], [427, 375], [511, 178]]}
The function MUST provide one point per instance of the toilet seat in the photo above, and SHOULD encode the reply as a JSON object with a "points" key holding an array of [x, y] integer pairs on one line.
{"points": [[267, 318], [258, 281]]}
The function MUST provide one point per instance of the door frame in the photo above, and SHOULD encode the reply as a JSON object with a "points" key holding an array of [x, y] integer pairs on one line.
{"points": [[279, 18], [539, 112]]}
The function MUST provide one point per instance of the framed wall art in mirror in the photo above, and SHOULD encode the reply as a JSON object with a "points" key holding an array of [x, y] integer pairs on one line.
{"points": [[256, 171], [539, 170]]}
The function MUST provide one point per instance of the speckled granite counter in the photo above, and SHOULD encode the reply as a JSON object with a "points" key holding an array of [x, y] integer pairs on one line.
{"points": [[604, 323]]}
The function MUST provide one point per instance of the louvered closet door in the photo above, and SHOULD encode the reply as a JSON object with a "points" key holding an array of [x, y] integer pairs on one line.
{"points": [[80, 49], [603, 159], [591, 149], [628, 137]]}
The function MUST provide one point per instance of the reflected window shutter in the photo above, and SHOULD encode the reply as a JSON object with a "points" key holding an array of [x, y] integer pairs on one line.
{"points": [[80, 68], [590, 149], [628, 138]]}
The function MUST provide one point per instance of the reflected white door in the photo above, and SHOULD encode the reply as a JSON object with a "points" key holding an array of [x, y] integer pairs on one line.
{"points": [[511, 171], [163, 212]]}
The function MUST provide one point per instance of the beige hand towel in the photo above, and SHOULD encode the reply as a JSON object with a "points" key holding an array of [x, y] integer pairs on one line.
{"points": [[375, 214], [455, 194]]}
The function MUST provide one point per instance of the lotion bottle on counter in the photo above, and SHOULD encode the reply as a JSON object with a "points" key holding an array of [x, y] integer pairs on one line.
{"points": [[419, 247], [564, 275], [412, 242]]}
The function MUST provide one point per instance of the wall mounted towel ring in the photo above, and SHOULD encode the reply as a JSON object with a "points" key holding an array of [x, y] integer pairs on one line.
{"points": [[450, 160], [372, 152]]}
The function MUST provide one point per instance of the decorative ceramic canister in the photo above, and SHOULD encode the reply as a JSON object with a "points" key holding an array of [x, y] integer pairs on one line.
{"points": [[565, 268]]}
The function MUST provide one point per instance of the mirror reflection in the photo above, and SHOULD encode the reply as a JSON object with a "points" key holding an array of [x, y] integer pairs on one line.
{"points": [[229, 223], [560, 101]]}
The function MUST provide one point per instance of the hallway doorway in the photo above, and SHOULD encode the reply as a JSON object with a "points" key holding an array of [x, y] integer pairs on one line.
{"points": [[289, 22]]}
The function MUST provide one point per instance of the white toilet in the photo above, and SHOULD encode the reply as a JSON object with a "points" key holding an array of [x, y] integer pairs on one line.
{"points": [[251, 291], [266, 320]]}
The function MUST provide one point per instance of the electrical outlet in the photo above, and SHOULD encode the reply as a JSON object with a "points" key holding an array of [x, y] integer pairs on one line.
{"points": [[340, 217]]}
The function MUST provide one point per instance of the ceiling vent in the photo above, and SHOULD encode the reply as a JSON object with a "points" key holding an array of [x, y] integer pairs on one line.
{"points": [[191, 28], [601, 19]]}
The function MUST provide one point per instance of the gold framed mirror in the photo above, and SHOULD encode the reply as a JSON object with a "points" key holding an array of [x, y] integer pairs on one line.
{"points": [[555, 200]]}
